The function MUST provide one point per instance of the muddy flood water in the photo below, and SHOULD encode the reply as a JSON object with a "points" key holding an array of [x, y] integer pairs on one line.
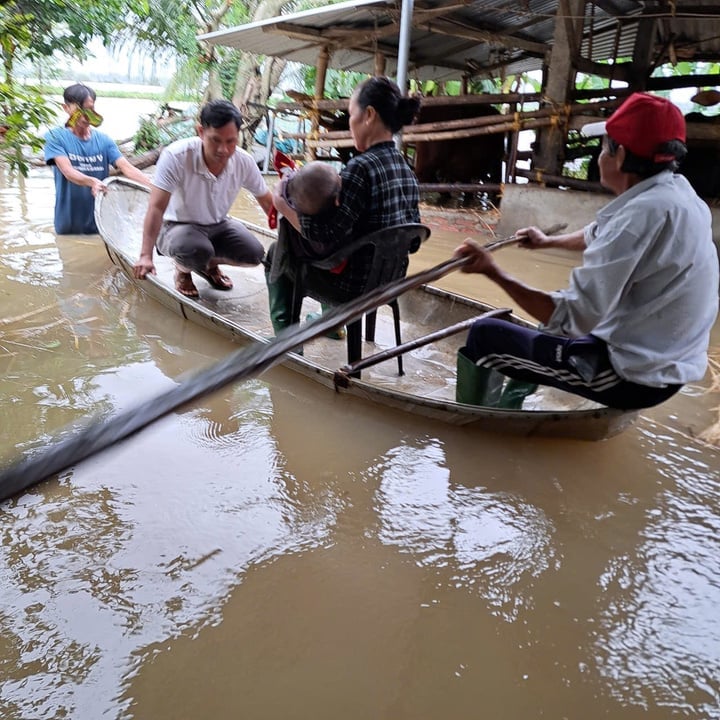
{"points": [[275, 551]]}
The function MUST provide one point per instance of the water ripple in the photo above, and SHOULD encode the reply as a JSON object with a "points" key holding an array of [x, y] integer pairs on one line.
{"points": [[492, 543], [661, 643]]}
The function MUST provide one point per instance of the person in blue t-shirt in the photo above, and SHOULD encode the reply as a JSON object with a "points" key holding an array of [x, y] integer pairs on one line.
{"points": [[81, 158]]}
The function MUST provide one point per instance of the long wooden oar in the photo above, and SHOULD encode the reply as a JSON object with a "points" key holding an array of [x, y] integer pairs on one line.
{"points": [[342, 376], [512, 239], [74, 444]]}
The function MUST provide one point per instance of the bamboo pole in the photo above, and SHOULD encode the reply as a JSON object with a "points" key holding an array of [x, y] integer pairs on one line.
{"points": [[541, 177], [329, 140], [481, 121], [479, 99]]}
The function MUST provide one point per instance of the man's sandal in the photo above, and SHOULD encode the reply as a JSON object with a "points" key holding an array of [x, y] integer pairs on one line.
{"points": [[217, 280]]}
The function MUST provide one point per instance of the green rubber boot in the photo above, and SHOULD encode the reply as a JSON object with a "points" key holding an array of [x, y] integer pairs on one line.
{"points": [[280, 294], [477, 385], [515, 393], [338, 333]]}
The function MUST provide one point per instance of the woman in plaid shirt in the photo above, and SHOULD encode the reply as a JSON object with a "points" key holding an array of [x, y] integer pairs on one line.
{"points": [[379, 189]]}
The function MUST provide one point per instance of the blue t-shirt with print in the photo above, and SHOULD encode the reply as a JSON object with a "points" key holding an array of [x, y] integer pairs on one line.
{"points": [[75, 204]]}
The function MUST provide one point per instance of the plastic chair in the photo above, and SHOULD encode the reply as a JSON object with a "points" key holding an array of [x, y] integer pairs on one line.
{"points": [[391, 247]]}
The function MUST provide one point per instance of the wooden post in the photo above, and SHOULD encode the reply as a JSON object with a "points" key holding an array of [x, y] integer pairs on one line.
{"points": [[512, 156], [379, 64], [322, 66], [550, 147], [640, 67]]}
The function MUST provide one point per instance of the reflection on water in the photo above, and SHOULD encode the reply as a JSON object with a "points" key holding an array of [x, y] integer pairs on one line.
{"points": [[493, 542], [274, 551], [658, 634]]}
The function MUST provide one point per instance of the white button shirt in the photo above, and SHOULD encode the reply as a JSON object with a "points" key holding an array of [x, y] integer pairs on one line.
{"points": [[197, 196]]}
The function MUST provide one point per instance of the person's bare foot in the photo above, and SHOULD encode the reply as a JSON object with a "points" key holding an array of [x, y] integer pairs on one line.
{"points": [[184, 284]]}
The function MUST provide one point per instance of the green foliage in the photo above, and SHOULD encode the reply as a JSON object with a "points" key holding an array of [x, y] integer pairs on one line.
{"points": [[186, 84], [172, 26], [591, 82], [483, 85], [36, 30], [533, 81], [168, 24], [426, 87], [338, 83], [23, 113], [577, 169], [452, 88], [148, 135], [33, 29], [687, 68], [227, 70], [477, 86]]}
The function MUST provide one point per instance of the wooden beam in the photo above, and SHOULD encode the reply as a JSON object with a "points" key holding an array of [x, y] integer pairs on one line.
{"points": [[611, 8], [380, 62], [703, 131], [362, 35], [322, 66], [653, 84], [678, 81], [347, 37], [677, 10], [456, 29], [600, 93], [293, 31], [343, 139], [539, 176], [482, 99], [442, 100], [620, 71], [364, 40]]}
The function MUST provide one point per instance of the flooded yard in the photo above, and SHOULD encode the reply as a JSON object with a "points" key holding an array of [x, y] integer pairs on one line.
{"points": [[277, 551]]}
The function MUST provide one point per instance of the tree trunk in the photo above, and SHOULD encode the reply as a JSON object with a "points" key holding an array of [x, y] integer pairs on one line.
{"points": [[254, 84]]}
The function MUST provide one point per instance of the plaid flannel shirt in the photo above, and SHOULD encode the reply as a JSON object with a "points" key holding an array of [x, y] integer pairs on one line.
{"points": [[379, 189]]}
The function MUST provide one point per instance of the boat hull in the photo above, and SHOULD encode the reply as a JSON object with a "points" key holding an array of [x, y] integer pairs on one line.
{"points": [[426, 389]]}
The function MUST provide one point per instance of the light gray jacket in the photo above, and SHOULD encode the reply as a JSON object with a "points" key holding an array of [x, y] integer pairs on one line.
{"points": [[648, 284]]}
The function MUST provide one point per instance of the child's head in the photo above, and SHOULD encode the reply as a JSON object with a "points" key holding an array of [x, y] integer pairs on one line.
{"points": [[314, 188]]}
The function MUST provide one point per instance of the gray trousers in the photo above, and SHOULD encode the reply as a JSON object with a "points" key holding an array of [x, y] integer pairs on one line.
{"points": [[195, 246]]}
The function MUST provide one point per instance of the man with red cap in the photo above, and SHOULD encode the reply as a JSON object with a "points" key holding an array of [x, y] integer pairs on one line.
{"points": [[633, 326]]}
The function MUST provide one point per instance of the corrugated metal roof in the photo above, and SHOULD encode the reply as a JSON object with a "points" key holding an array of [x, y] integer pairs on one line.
{"points": [[350, 29], [477, 37]]}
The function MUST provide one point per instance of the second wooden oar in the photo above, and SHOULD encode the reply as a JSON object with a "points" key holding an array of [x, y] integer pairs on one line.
{"points": [[342, 376]]}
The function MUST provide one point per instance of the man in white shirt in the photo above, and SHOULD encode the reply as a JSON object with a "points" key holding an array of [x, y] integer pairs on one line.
{"points": [[195, 183], [634, 323]]}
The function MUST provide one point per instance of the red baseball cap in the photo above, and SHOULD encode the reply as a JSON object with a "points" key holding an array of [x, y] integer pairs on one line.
{"points": [[642, 124]]}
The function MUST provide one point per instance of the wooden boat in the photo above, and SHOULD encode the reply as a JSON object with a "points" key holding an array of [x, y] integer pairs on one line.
{"points": [[428, 386]]}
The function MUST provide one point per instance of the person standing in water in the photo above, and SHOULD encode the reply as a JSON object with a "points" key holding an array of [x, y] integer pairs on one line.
{"points": [[81, 157]]}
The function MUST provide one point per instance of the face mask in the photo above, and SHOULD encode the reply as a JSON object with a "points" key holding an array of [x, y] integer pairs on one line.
{"points": [[92, 117]]}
